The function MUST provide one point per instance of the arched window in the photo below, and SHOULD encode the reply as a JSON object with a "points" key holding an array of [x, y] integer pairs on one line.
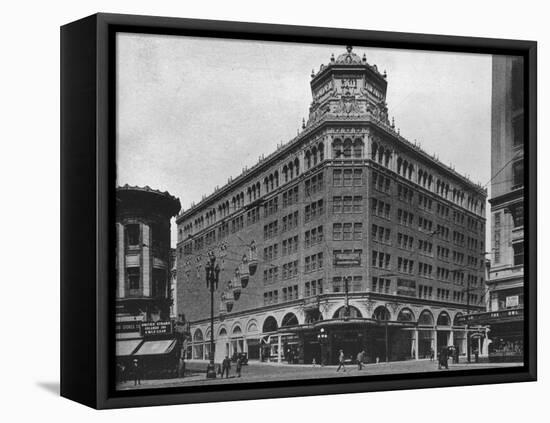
{"points": [[374, 151], [337, 149], [314, 155], [266, 184], [308, 159], [387, 158], [443, 319], [347, 312], [291, 170], [276, 178], [271, 186], [358, 149], [411, 169], [285, 173], [290, 319], [321, 149], [426, 318], [197, 336], [270, 325], [456, 320], [381, 313], [405, 315], [347, 148], [399, 164], [381, 154], [237, 331], [297, 166]]}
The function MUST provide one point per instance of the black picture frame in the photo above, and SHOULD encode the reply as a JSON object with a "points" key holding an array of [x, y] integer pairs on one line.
{"points": [[87, 207]]}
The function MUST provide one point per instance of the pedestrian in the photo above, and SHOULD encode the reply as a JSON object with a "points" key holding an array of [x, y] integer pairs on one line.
{"points": [[181, 367], [136, 370], [239, 365], [443, 358], [432, 354], [341, 359], [457, 355], [314, 362], [226, 365], [476, 355], [360, 358]]}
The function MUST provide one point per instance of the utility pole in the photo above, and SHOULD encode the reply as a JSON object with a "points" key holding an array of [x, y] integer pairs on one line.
{"points": [[346, 291], [212, 278]]}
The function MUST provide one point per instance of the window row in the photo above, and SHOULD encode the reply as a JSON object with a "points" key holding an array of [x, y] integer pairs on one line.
{"points": [[347, 231], [347, 177], [313, 262], [347, 204]]}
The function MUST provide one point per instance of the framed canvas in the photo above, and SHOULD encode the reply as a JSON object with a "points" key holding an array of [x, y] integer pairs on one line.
{"points": [[256, 211]]}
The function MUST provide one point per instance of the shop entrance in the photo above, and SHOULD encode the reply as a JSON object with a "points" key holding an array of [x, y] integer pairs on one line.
{"points": [[425, 339], [442, 339], [253, 349]]}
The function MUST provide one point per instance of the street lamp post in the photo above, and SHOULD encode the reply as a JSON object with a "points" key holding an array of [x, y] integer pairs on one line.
{"points": [[322, 338], [212, 278]]}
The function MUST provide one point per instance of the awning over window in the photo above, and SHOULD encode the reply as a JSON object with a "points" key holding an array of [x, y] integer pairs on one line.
{"points": [[156, 347], [127, 347]]}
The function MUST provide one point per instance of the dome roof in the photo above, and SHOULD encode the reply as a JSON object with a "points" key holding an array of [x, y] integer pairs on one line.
{"points": [[349, 57]]}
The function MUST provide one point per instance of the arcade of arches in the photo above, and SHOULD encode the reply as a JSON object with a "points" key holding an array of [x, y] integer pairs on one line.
{"points": [[405, 336]]}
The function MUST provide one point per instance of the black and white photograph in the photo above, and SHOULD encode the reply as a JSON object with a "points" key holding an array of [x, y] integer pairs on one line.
{"points": [[293, 211]]}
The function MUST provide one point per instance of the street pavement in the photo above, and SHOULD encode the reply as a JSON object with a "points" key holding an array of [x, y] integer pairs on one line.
{"points": [[266, 372]]}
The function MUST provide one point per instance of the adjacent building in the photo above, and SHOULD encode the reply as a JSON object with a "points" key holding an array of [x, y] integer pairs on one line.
{"points": [[504, 316], [347, 237], [144, 330]]}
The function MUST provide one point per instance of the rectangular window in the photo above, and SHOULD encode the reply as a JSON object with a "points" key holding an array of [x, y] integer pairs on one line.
{"points": [[132, 234], [347, 204], [347, 231], [357, 177], [133, 277], [337, 177], [337, 204], [357, 204], [357, 231], [348, 177], [517, 174], [518, 254]]}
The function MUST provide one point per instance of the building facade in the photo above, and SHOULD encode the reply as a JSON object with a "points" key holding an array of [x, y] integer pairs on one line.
{"points": [[504, 316], [144, 330], [347, 237]]}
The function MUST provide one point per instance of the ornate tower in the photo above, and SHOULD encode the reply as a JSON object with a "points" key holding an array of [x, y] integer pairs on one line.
{"points": [[348, 87]]}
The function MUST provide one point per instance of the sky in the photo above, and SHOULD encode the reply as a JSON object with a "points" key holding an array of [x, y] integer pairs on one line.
{"points": [[191, 112]]}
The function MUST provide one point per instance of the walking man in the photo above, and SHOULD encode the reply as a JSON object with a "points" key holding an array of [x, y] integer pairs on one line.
{"points": [[341, 359], [181, 367], [226, 365], [443, 358], [432, 354], [136, 370], [239, 365], [360, 358]]}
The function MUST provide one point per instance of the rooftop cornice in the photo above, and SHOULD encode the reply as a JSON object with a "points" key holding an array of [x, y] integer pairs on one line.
{"points": [[309, 131]]}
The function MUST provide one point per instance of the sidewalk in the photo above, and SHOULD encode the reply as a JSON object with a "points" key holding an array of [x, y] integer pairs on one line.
{"points": [[262, 372]]}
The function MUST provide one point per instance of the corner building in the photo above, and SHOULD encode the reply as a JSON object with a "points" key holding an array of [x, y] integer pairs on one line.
{"points": [[347, 237], [504, 315], [143, 328]]}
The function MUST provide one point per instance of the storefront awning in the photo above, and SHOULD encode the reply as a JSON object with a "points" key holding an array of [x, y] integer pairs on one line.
{"points": [[126, 347], [156, 347]]}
